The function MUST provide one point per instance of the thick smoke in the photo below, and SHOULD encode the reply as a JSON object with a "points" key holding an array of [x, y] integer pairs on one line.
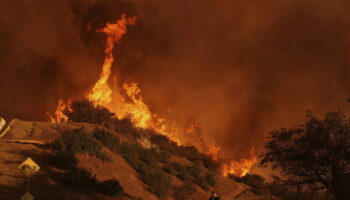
{"points": [[239, 68]]}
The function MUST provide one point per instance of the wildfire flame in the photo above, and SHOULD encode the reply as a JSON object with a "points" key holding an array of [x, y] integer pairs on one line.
{"points": [[137, 110], [133, 105], [242, 167], [213, 151], [209, 149], [128, 102], [59, 116], [101, 93]]}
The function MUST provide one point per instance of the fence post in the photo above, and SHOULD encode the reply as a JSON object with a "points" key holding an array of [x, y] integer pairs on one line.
{"points": [[245, 194], [271, 192], [298, 191]]}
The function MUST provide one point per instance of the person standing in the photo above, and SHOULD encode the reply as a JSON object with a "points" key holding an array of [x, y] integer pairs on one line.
{"points": [[214, 196]]}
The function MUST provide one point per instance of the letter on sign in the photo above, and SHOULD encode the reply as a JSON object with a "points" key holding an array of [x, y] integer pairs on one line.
{"points": [[29, 167]]}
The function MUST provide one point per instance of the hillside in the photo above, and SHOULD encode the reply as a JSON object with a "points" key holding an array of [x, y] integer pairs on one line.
{"points": [[32, 139]]}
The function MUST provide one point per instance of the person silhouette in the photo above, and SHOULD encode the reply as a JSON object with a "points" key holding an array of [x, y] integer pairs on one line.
{"points": [[214, 196]]}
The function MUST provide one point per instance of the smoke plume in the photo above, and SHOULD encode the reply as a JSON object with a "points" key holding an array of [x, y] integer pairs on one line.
{"points": [[238, 68]]}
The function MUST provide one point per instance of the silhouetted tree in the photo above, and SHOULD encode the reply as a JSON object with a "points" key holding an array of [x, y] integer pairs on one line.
{"points": [[314, 152]]}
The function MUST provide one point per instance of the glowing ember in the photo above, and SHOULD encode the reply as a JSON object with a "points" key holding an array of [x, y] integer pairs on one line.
{"points": [[59, 116], [242, 167]]}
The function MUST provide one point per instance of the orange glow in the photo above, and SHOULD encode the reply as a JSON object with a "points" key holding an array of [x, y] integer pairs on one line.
{"points": [[59, 115], [242, 167]]}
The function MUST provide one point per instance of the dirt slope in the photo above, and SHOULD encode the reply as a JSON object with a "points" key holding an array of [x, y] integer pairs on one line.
{"points": [[44, 185]]}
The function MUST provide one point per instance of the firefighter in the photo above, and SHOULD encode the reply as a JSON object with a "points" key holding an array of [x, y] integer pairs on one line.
{"points": [[214, 196]]}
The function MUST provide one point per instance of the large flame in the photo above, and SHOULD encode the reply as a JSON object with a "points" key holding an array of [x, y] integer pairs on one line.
{"points": [[242, 167], [101, 93], [140, 114], [137, 110], [131, 104], [128, 102]]}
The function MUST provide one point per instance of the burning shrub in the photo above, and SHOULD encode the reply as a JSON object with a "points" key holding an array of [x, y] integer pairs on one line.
{"points": [[107, 139], [85, 111], [111, 187]]}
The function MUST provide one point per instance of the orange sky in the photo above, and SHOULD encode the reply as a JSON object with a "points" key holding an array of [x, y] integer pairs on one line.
{"points": [[239, 68]]}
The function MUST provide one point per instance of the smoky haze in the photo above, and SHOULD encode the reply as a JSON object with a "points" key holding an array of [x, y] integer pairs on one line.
{"points": [[239, 68]]}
